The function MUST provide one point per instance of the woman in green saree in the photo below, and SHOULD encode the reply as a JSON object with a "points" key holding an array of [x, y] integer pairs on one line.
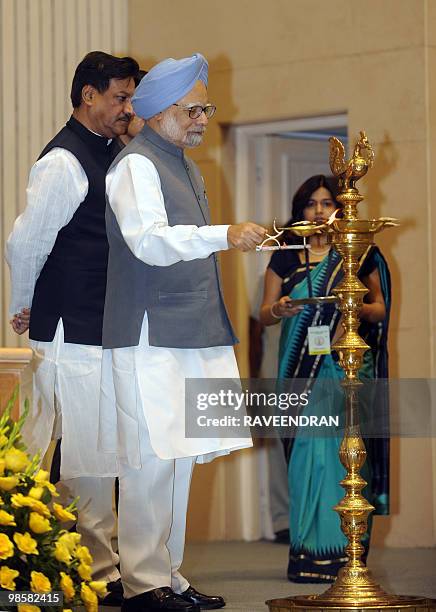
{"points": [[314, 470]]}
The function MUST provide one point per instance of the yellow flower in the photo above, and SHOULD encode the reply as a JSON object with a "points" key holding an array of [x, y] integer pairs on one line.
{"points": [[82, 553], [99, 587], [42, 479], [61, 514], [89, 598], [70, 540], [28, 608], [39, 583], [2, 466], [7, 578], [84, 571], [26, 543], [38, 524], [6, 518], [3, 440], [62, 553], [16, 460], [67, 586], [6, 547], [36, 492], [23, 501], [8, 482]]}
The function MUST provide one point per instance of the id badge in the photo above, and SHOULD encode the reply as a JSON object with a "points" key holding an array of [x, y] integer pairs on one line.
{"points": [[319, 340]]}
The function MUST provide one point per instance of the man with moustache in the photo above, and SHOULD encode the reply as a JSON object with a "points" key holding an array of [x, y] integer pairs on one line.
{"points": [[57, 253], [164, 321]]}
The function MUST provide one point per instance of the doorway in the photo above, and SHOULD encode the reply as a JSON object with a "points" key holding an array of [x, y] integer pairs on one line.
{"points": [[272, 161]]}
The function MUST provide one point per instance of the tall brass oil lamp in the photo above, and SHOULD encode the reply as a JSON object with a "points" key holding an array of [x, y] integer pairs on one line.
{"points": [[355, 587]]}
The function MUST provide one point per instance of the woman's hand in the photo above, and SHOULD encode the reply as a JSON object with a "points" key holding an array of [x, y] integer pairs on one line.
{"points": [[274, 307], [283, 308]]}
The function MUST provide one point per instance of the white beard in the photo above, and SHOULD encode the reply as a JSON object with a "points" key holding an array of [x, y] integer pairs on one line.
{"points": [[171, 131]]}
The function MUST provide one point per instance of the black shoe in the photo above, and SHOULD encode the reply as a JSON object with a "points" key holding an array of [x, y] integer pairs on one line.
{"points": [[206, 602], [282, 537], [115, 596], [158, 599]]}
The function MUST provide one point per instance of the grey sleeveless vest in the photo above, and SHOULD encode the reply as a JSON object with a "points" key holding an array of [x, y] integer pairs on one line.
{"points": [[184, 301]]}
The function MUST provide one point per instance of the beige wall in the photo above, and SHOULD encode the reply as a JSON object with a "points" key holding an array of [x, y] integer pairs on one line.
{"points": [[376, 60]]}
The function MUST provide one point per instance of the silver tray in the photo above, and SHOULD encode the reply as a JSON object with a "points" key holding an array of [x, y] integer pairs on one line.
{"points": [[325, 299]]}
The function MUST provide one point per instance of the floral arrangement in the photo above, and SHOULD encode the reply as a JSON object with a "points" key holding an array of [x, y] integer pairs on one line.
{"points": [[37, 554]]}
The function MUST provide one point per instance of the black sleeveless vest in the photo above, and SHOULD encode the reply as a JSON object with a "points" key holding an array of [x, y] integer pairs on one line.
{"points": [[72, 283]]}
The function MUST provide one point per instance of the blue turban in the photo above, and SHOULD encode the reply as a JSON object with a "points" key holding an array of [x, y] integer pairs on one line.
{"points": [[167, 82]]}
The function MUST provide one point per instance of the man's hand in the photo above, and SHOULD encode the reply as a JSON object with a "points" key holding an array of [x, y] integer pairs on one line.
{"points": [[20, 321], [245, 236]]}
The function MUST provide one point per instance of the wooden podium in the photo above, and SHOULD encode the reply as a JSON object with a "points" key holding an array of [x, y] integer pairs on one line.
{"points": [[15, 370]]}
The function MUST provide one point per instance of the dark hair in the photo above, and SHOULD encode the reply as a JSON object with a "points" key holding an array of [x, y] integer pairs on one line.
{"points": [[97, 69], [303, 195], [138, 78]]}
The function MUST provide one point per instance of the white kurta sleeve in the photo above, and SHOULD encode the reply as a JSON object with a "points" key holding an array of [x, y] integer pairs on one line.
{"points": [[57, 186], [135, 196]]}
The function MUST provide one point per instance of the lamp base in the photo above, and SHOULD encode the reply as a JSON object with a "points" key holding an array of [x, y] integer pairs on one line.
{"points": [[310, 603]]}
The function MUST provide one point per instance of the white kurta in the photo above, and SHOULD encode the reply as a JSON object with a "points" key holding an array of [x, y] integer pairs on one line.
{"points": [[70, 372], [57, 185], [149, 378]]}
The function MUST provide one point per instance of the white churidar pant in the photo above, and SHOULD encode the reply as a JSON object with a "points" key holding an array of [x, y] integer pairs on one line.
{"points": [[152, 512], [66, 390]]}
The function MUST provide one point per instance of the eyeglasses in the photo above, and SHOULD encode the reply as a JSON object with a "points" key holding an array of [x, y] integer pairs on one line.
{"points": [[196, 110]]}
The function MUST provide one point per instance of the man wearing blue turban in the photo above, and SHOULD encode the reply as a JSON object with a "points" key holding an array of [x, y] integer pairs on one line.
{"points": [[165, 321]]}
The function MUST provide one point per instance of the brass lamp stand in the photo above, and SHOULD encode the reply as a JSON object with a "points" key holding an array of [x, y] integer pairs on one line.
{"points": [[355, 588]]}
